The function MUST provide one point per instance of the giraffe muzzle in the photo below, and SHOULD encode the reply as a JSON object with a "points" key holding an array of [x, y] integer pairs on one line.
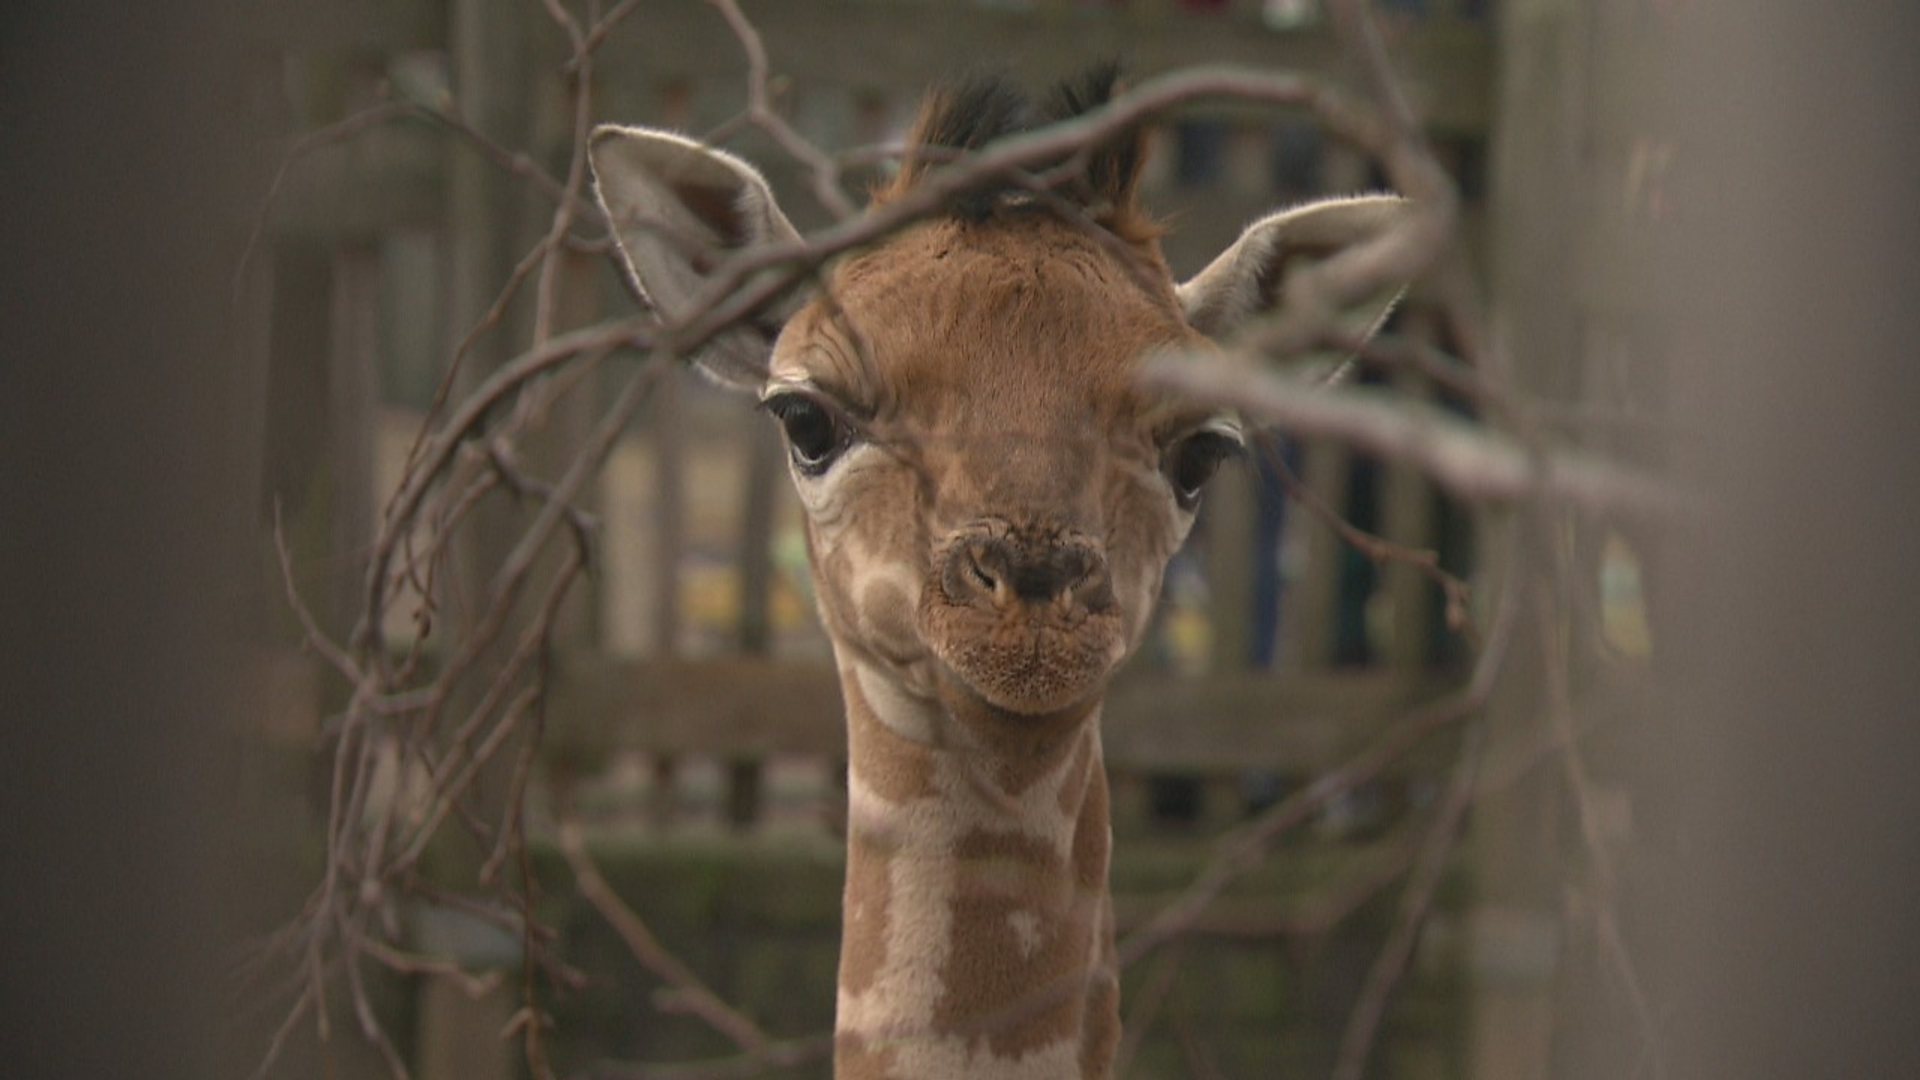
{"points": [[1007, 572], [1026, 618]]}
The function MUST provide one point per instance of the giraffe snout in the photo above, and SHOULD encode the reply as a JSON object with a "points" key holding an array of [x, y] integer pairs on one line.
{"points": [[1025, 618], [1008, 570]]}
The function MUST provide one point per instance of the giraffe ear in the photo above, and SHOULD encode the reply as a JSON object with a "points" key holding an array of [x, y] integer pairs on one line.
{"points": [[678, 210], [1247, 278]]}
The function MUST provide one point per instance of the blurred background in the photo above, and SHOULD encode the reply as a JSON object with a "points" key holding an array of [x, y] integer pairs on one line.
{"points": [[247, 245]]}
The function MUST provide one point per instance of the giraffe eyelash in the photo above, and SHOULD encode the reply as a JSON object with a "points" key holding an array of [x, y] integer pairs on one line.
{"points": [[1190, 460], [818, 430]]}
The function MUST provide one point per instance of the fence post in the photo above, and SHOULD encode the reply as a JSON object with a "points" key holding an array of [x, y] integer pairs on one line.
{"points": [[1407, 517], [1516, 931], [745, 775], [1307, 621], [352, 422], [459, 1037]]}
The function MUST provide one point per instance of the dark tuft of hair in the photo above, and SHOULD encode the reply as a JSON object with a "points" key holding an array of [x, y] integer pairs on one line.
{"points": [[1113, 168], [969, 113], [972, 111], [960, 117]]}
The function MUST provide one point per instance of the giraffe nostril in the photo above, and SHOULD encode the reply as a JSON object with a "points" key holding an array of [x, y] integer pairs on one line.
{"points": [[986, 581], [1044, 578], [1094, 589], [1005, 571]]}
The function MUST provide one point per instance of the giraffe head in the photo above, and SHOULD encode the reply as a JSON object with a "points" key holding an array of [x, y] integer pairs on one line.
{"points": [[991, 497]]}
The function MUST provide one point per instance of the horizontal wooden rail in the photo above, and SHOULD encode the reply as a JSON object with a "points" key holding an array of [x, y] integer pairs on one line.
{"points": [[741, 706]]}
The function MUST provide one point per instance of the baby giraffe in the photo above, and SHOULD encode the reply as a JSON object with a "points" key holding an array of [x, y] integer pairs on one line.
{"points": [[991, 500]]}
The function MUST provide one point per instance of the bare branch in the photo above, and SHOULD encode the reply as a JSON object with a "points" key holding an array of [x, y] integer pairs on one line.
{"points": [[761, 113], [1561, 713], [690, 993], [1376, 548], [600, 31], [1146, 1008], [580, 75], [1246, 848], [316, 638], [1356, 1044], [1473, 463]]}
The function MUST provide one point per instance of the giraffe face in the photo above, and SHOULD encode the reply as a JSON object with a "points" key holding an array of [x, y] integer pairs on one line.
{"points": [[991, 500]]}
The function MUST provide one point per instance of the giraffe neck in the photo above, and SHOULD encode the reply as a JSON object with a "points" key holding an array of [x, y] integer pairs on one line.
{"points": [[978, 929]]}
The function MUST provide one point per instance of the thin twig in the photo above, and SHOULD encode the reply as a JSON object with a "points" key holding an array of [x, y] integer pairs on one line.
{"points": [[1246, 848], [464, 422], [1146, 1008], [315, 637], [824, 170], [278, 1043], [601, 29], [1376, 548], [1560, 712], [689, 991], [438, 967], [580, 78], [1363, 1024]]}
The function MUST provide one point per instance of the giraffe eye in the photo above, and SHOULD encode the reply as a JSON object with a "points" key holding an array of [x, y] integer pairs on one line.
{"points": [[1192, 461], [816, 435]]}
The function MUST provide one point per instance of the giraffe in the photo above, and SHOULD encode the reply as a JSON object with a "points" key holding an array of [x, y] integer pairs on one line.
{"points": [[990, 503]]}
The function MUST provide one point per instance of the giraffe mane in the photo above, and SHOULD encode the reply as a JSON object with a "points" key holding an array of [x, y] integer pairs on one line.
{"points": [[966, 114]]}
